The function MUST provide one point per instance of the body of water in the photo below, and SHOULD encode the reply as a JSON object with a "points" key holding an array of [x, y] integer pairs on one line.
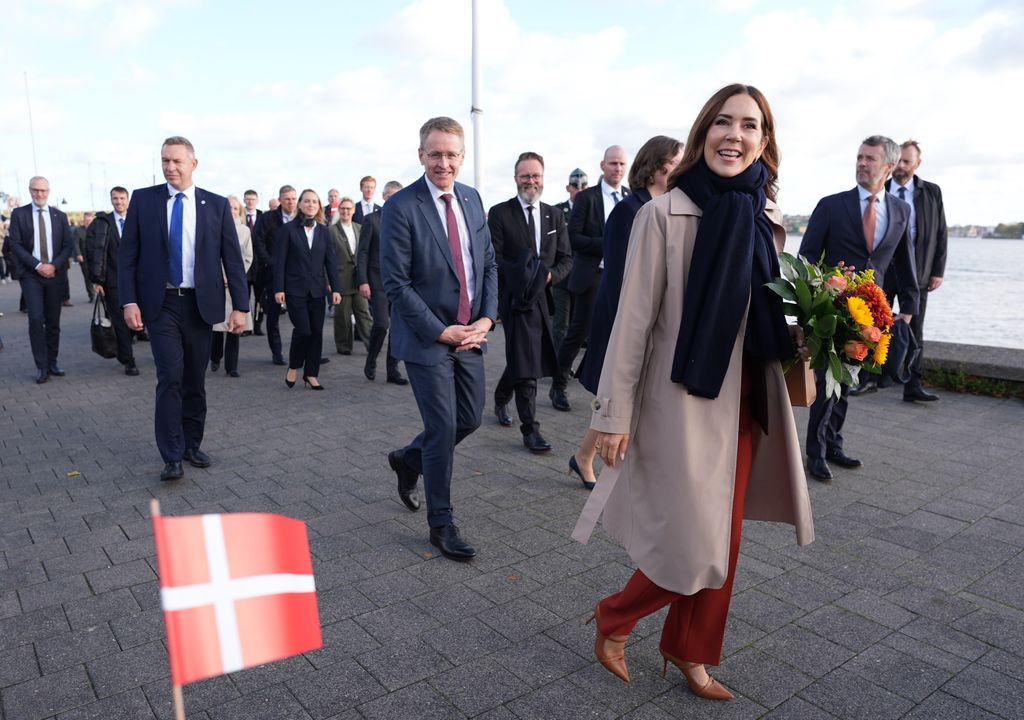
{"points": [[981, 300]]}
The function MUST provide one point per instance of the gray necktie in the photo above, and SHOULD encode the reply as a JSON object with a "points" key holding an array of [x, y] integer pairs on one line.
{"points": [[44, 251], [615, 197]]}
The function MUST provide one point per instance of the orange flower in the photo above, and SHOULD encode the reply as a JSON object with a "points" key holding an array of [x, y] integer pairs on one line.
{"points": [[876, 301], [836, 282], [855, 350], [871, 334]]}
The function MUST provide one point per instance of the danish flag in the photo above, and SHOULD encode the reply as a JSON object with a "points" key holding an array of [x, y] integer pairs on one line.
{"points": [[237, 590]]}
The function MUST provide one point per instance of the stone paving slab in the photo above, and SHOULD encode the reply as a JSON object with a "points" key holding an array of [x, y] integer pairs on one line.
{"points": [[908, 605]]}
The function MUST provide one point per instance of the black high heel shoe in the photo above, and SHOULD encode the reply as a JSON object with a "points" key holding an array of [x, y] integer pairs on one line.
{"points": [[573, 467], [289, 383], [310, 385]]}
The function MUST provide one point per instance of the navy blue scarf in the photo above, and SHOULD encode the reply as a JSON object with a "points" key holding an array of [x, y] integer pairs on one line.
{"points": [[733, 257]]}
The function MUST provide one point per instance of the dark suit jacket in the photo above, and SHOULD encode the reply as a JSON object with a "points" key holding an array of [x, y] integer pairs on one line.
{"points": [[346, 259], [932, 236], [419, 273], [359, 216], [837, 228], [22, 239], [511, 237], [102, 242], [586, 234], [368, 254], [267, 225], [299, 269], [142, 271]]}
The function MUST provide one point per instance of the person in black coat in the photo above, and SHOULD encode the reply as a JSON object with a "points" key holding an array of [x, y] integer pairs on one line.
{"points": [[531, 245], [648, 177], [263, 238], [102, 241], [304, 267]]}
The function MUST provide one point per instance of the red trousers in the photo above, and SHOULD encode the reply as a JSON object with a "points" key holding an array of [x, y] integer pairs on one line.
{"points": [[695, 626]]}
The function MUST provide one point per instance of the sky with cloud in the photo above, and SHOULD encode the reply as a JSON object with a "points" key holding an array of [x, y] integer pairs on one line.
{"points": [[319, 94]]}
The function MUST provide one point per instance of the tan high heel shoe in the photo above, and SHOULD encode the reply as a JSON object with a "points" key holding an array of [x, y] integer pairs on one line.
{"points": [[711, 690], [610, 649]]}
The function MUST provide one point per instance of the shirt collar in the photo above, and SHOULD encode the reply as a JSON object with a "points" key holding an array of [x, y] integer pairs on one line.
{"points": [[864, 194], [608, 189], [190, 192], [523, 203], [437, 192], [44, 208], [119, 217], [895, 187]]}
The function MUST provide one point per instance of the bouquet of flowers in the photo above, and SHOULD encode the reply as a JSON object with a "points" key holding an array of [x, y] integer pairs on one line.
{"points": [[845, 317]]}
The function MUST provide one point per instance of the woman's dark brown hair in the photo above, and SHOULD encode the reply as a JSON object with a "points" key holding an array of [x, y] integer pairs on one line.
{"points": [[652, 156], [699, 132], [319, 217]]}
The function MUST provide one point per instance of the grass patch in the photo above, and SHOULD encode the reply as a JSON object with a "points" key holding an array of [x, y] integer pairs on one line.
{"points": [[963, 382]]}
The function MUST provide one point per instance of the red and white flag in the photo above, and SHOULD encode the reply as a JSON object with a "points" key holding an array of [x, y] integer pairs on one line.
{"points": [[237, 590]]}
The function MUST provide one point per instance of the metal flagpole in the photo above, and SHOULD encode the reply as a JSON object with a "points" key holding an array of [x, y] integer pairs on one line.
{"points": [[476, 112], [31, 129]]}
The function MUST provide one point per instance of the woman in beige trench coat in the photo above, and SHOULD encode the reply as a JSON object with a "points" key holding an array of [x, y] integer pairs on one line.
{"points": [[225, 344], [692, 413]]}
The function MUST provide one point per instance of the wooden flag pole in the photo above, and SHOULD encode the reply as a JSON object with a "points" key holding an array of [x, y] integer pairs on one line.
{"points": [[179, 699]]}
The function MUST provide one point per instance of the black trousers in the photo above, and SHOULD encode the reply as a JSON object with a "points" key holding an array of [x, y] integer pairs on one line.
{"points": [[825, 422], [576, 334], [380, 310], [307, 316], [83, 266], [525, 391], [272, 314], [111, 301], [225, 345], [180, 340], [43, 298]]}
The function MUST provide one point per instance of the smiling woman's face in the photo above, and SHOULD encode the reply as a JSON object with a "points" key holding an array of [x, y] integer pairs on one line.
{"points": [[736, 136]]}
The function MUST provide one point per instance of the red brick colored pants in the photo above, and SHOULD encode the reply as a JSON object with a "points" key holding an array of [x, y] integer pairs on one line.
{"points": [[695, 626]]}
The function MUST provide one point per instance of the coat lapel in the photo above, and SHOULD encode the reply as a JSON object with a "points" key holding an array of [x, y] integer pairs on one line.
{"points": [[434, 222]]}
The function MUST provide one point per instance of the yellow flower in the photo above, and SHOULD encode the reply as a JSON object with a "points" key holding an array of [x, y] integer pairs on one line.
{"points": [[859, 311], [882, 349]]}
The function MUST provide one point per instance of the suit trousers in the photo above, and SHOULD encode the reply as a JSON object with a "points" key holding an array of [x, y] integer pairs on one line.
{"points": [[351, 305], [380, 309], [563, 301], [826, 418], [90, 291], [307, 316], [576, 334], [225, 345], [180, 340], [450, 398], [917, 328], [112, 301], [272, 313], [525, 391], [43, 298], [695, 625]]}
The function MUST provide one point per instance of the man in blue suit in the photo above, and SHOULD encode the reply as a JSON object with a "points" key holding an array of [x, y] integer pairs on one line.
{"points": [[177, 238], [865, 228], [41, 243], [439, 272]]}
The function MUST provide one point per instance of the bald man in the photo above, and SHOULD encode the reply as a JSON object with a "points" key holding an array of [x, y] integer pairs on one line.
{"points": [[586, 234]]}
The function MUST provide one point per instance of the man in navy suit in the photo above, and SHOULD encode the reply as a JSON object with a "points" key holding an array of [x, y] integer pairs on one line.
{"points": [[366, 207], [865, 228], [177, 238], [41, 242], [439, 272]]}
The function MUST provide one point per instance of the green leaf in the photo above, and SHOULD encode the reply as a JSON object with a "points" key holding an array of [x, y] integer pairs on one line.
{"points": [[782, 289], [803, 295], [791, 308], [850, 373], [813, 345], [834, 365], [825, 326], [832, 387]]}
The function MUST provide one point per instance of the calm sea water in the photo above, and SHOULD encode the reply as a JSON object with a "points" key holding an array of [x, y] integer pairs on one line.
{"points": [[981, 301]]}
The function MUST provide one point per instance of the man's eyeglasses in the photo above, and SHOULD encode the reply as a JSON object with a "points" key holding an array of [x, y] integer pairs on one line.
{"points": [[438, 156], [527, 178]]}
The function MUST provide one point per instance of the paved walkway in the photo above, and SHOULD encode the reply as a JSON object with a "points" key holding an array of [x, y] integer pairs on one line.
{"points": [[909, 604]]}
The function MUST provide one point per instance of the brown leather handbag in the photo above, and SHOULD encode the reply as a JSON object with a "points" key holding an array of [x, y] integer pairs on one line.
{"points": [[800, 384]]}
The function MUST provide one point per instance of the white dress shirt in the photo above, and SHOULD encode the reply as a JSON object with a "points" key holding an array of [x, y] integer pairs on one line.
{"points": [[881, 213], [309, 235], [536, 220], [460, 221], [909, 200], [48, 223], [367, 208], [119, 223], [188, 232]]}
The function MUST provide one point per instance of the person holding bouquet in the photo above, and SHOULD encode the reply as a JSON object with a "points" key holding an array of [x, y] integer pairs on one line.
{"points": [[865, 228], [693, 417]]}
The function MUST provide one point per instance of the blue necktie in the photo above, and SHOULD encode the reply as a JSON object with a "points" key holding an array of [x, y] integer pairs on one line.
{"points": [[903, 194], [177, 221], [615, 197], [121, 220]]}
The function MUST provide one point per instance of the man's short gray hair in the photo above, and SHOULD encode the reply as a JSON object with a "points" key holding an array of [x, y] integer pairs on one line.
{"points": [[889, 147]]}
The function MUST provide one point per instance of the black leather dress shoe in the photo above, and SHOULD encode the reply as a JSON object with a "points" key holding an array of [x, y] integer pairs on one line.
{"points": [[278, 360], [42, 377], [130, 369], [142, 336], [196, 458], [234, 373], [397, 380], [56, 371], [559, 400], [407, 479], [818, 469], [258, 331], [370, 370], [324, 360], [501, 412], [868, 386], [214, 366], [450, 543], [535, 443], [918, 394], [172, 471], [837, 456]]}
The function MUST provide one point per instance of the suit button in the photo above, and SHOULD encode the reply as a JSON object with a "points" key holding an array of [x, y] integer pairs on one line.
{"points": [[596, 405]]}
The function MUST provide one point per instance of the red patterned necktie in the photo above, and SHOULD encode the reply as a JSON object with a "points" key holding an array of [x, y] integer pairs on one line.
{"points": [[456, 247], [869, 224]]}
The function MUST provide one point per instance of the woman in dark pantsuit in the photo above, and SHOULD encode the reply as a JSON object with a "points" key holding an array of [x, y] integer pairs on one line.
{"points": [[304, 268]]}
